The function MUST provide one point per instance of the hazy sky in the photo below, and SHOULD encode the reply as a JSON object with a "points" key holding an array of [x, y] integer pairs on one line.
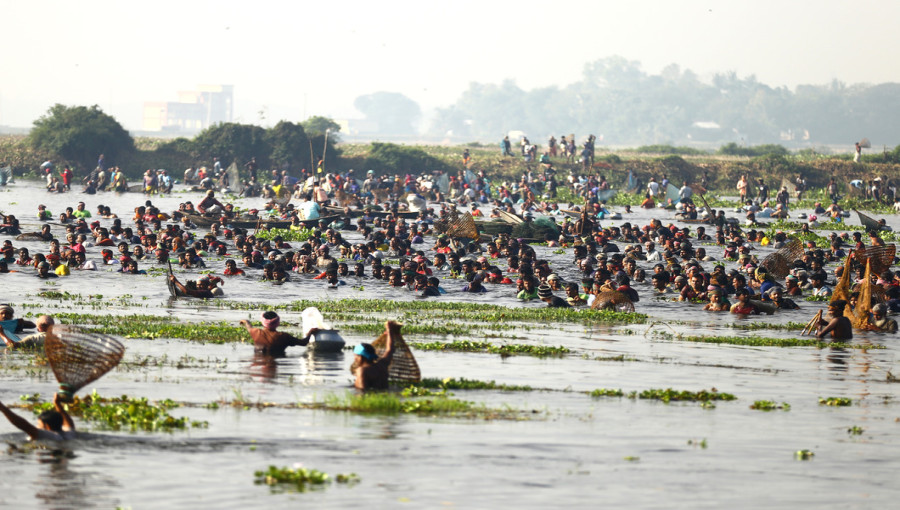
{"points": [[298, 59]]}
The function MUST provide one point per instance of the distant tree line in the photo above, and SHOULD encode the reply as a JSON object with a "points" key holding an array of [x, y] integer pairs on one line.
{"points": [[618, 100], [77, 135]]}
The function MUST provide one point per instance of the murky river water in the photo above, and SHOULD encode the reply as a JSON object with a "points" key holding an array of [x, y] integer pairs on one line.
{"points": [[573, 451]]}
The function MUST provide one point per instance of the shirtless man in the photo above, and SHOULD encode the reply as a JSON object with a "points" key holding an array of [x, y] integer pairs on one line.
{"points": [[840, 327], [372, 371], [268, 340], [54, 425]]}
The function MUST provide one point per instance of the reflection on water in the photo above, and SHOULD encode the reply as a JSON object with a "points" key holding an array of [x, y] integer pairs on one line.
{"points": [[838, 359]]}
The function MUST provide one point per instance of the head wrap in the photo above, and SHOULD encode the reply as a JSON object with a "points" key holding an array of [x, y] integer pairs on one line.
{"points": [[366, 351], [271, 324]]}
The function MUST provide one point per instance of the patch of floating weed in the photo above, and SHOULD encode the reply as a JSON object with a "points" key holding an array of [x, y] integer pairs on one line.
{"points": [[759, 341], [389, 403], [755, 326], [469, 384], [702, 443], [503, 350], [669, 395], [855, 430], [474, 312], [835, 401], [151, 326], [606, 392], [283, 479], [770, 405], [804, 455], [126, 412]]}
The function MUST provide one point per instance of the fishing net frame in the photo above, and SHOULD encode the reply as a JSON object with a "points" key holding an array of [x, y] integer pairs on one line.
{"points": [[778, 263], [612, 300], [403, 368], [871, 224], [78, 357], [881, 257]]}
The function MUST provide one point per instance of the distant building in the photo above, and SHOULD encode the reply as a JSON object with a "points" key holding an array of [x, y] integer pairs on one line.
{"points": [[194, 111]]}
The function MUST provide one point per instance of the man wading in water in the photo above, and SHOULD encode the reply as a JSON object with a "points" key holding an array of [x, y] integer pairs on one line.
{"points": [[839, 326], [267, 340], [372, 372], [54, 425]]}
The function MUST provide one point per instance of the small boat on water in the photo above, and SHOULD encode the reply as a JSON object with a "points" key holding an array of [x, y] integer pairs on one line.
{"points": [[356, 213], [249, 223]]}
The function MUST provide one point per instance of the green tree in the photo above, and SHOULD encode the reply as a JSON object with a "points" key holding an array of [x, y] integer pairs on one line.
{"points": [[79, 134], [233, 142], [290, 145], [317, 125]]}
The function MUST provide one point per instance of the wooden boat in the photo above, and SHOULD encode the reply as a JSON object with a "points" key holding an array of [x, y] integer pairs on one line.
{"points": [[356, 213], [206, 221]]}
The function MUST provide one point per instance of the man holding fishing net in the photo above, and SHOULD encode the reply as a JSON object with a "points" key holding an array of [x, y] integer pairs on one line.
{"points": [[52, 425], [371, 371]]}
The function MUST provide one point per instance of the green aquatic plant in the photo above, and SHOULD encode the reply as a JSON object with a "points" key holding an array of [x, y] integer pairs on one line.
{"points": [[287, 234], [855, 430], [770, 405], [469, 384], [389, 403], [605, 392], [835, 401], [503, 350], [754, 326], [804, 454], [124, 412], [458, 311], [757, 341], [152, 327], [669, 395], [299, 479]]}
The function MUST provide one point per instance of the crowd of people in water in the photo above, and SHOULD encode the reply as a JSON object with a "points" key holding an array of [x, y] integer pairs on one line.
{"points": [[393, 230]]}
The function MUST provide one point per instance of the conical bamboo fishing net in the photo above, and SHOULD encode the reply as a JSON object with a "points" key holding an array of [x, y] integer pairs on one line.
{"points": [[869, 223], [343, 198], [612, 300], [78, 358], [859, 316], [791, 187], [403, 364], [778, 263], [842, 289], [463, 227], [381, 194], [881, 257]]}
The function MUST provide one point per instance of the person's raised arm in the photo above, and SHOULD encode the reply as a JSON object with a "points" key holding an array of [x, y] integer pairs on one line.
{"points": [[68, 424], [19, 422], [246, 324], [393, 333]]}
